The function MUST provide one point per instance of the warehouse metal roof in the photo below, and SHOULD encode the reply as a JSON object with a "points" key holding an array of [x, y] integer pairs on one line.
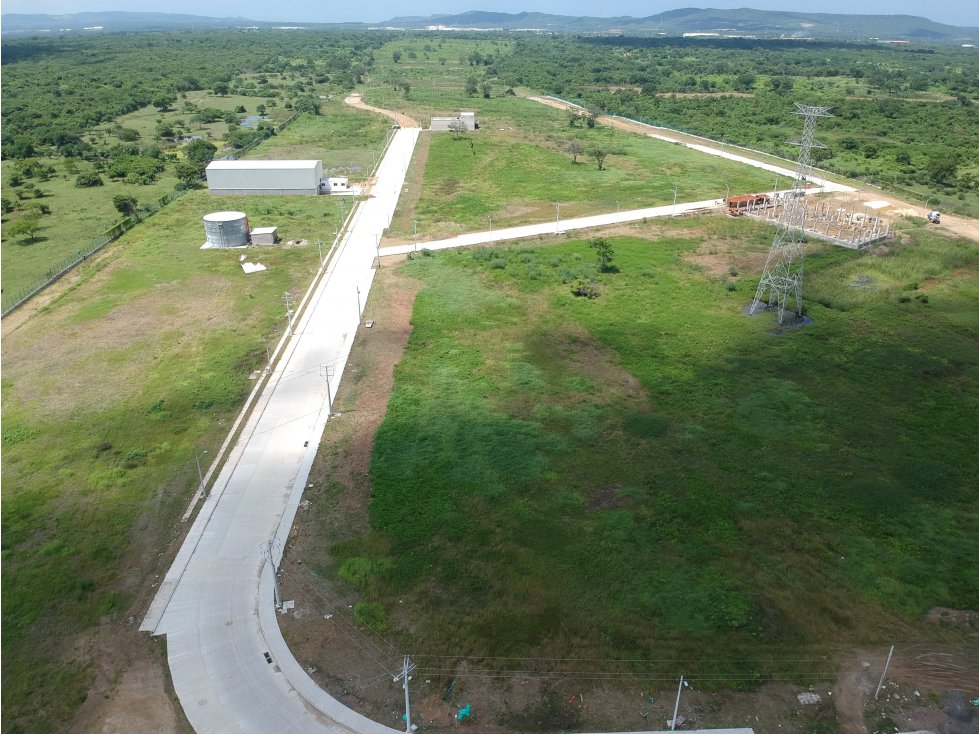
{"points": [[262, 164]]}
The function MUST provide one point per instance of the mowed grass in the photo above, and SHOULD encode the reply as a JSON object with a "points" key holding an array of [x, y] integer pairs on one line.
{"points": [[107, 395], [650, 475]]}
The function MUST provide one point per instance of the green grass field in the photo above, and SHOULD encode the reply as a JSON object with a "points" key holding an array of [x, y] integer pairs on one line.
{"points": [[652, 475], [107, 395], [532, 172], [341, 137]]}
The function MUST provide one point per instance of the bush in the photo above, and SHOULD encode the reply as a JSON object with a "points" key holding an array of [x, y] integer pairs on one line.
{"points": [[585, 288], [88, 180]]}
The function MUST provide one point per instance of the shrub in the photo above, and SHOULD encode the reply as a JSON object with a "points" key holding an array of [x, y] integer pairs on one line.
{"points": [[585, 288], [88, 180]]}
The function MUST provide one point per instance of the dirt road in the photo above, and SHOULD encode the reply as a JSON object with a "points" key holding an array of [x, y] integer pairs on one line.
{"points": [[355, 100], [961, 226]]}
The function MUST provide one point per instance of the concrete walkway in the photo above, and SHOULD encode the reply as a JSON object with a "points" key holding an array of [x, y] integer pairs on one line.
{"points": [[230, 666]]}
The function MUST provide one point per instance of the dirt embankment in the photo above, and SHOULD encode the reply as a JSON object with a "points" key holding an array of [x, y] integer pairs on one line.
{"points": [[961, 226]]}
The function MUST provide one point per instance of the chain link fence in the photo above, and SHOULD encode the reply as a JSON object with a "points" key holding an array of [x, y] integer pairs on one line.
{"points": [[12, 301]]}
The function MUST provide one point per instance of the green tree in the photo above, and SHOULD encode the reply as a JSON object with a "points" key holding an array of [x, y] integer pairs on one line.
{"points": [[25, 228], [200, 151], [942, 168], [163, 102], [308, 103], [188, 172], [7, 206], [126, 204], [603, 250], [472, 86], [575, 148], [599, 154], [396, 57], [486, 89], [88, 180]]}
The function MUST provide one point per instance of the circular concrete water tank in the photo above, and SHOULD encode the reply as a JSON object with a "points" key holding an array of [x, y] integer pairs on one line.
{"points": [[226, 229]]}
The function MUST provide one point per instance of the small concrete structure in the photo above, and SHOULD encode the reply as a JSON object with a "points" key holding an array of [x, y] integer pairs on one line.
{"points": [[265, 235], [468, 120]]}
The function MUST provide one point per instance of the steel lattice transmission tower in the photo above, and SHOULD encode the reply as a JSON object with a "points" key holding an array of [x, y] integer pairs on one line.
{"points": [[782, 277]]}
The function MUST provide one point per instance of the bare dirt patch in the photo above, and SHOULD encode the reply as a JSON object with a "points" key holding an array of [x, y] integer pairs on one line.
{"points": [[130, 693], [355, 100]]}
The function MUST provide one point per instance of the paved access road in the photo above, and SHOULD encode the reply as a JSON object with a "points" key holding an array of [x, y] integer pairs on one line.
{"points": [[230, 666], [558, 226]]}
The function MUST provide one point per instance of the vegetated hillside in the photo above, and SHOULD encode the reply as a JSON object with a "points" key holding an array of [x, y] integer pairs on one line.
{"points": [[743, 21]]}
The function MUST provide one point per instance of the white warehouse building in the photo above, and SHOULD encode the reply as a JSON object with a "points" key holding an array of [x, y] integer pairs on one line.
{"points": [[468, 120], [267, 178]]}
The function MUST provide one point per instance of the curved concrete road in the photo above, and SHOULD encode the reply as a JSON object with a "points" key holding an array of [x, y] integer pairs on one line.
{"points": [[230, 666]]}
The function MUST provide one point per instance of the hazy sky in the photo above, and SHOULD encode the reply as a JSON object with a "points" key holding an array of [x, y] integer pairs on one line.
{"points": [[954, 12]]}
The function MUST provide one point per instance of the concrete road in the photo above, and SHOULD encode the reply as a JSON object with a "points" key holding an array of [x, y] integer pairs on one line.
{"points": [[230, 666], [558, 226]]}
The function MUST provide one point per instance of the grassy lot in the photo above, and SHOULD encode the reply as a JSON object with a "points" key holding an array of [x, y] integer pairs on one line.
{"points": [[343, 138], [531, 172], [348, 141], [78, 217], [651, 475], [108, 392]]}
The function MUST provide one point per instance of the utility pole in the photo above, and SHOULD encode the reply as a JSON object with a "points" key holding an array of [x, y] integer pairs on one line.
{"points": [[325, 372], [889, 653], [676, 708], [404, 677], [287, 297], [319, 246], [377, 246], [414, 225], [277, 593], [674, 201], [359, 312], [200, 475], [557, 223], [490, 220]]}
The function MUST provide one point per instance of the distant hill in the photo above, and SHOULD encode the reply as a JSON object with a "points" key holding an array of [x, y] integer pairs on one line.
{"points": [[742, 22], [113, 21]]}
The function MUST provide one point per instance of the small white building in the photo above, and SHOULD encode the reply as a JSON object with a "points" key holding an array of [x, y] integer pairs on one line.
{"points": [[264, 178], [337, 185], [468, 119]]}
